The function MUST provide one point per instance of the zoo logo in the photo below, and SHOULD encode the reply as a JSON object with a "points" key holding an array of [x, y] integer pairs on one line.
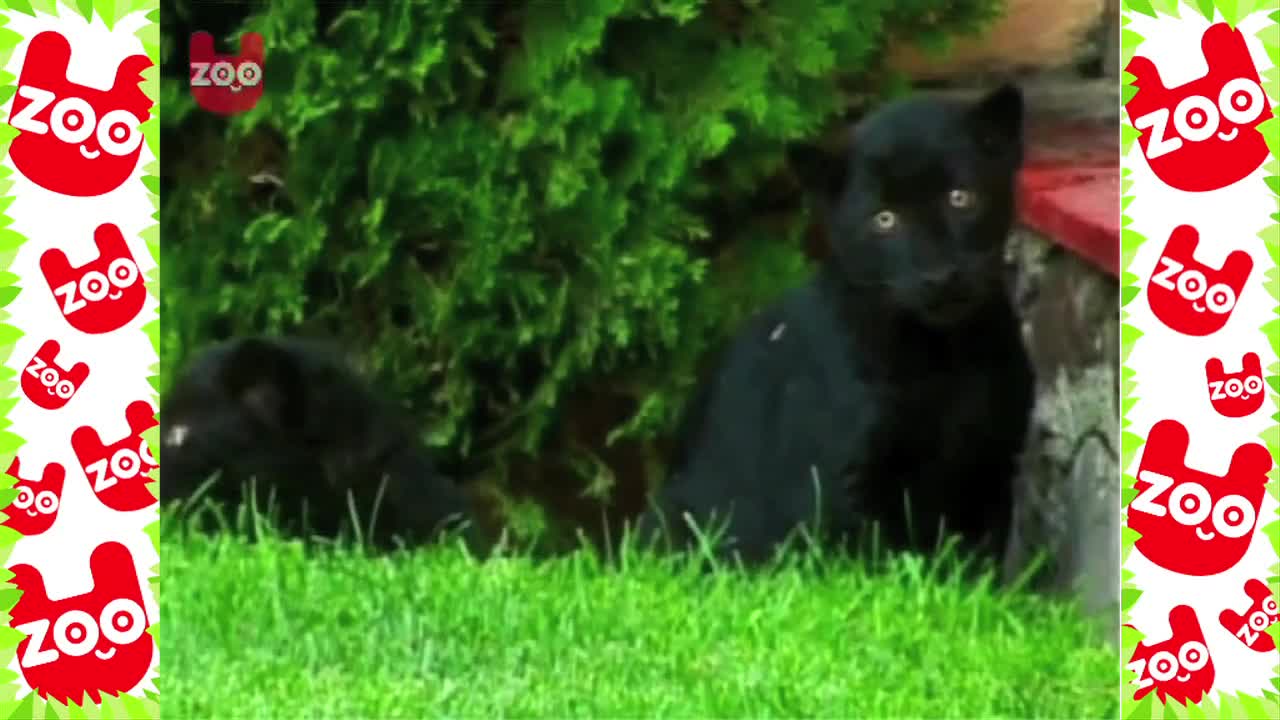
{"points": [[1190, 297], [1236, 394], [1178, 668], [102, 295], [36, 506], [1192, 522], [65, 128], [1213, 141], [48, 385], [93, 643], [224, 84], [1251, 627], [118, 473]]}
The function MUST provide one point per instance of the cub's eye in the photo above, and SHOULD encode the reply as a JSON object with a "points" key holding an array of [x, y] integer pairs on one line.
{"points": [[961, 199], [884, 221]]}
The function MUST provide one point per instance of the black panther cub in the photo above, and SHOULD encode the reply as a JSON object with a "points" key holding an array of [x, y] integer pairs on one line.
{"points": [[294, 417], [893, 387]]}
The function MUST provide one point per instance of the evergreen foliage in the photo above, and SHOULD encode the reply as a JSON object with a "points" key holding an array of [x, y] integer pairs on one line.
{"points": [[515, 211]]}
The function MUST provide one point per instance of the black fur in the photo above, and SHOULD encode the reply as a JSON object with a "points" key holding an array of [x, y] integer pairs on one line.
{"points": [[293, 416], [897, 371]]}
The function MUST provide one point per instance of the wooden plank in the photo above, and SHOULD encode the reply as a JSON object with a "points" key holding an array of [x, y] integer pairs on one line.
{"points": [[1093, 99]]}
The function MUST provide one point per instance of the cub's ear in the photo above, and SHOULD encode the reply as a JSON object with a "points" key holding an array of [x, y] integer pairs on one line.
{"points": [[996, 121], [266, 380], [821, 167], [822, 171]]}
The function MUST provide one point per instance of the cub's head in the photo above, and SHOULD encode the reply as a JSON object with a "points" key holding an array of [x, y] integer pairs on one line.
{"points": [[283, 411], [321, 445], [921, 210]]}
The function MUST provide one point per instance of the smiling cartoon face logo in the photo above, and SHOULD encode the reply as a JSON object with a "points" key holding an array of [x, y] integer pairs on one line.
{"points": [[1202, 136], [118, 472], [224, 84], [48, 385], [76, 140], [36, 506], [1178, 668], [1236, 394], [92, 643], [1251, 628], [105, 293], [1190, 297], [1191, 522]]}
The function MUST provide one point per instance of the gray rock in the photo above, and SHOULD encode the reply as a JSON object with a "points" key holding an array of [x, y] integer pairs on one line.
{"points": [[1068, 494]]}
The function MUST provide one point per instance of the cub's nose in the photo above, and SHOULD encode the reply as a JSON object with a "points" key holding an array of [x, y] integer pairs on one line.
{"points": [[942, 284], [947, 296]]}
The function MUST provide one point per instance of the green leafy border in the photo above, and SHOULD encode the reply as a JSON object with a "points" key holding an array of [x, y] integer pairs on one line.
{"points": [[1269, 35], [1236, 707], [122, 707]]}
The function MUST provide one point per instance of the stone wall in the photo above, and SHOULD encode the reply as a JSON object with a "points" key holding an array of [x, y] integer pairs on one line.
{"points": [[1069, 495]]}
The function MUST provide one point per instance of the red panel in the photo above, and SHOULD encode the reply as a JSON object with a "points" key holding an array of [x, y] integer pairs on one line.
{"points": [[1069, 190]]}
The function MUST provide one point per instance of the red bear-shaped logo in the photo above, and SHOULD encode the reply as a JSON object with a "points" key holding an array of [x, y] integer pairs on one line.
{"points": [[1192, 522], [76, 140], [1251, 628], [224, 84], [1178, 668], [36, 506], [1190, 297], [118, 472], [1238, 394], [102, 295], [1201, 136], [92, 643], [48, 385]]}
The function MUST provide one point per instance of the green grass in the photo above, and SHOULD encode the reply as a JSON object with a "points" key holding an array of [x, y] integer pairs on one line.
{"points": [[276, 630]]}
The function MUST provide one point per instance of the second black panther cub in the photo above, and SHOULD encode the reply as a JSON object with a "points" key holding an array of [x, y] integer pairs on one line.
{"points": [[893, 387], [292, 416]]}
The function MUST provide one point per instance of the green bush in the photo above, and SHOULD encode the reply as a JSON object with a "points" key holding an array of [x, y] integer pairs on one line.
{"points": [[517, 211]]}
